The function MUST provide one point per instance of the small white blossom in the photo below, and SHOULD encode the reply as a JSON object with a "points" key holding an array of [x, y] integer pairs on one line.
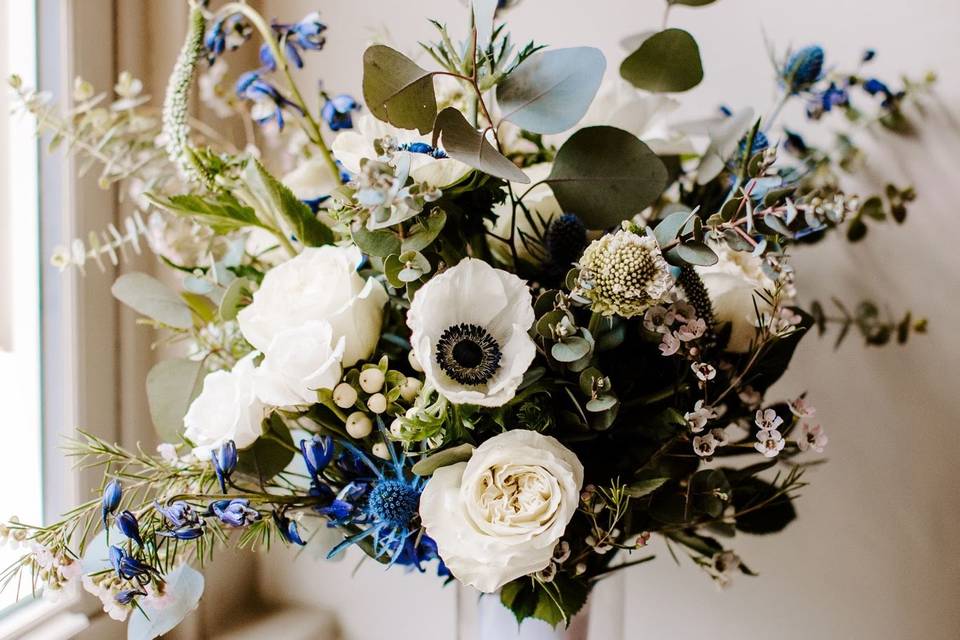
{"points": [[698, 418], [720, 435], [812, 438], [802, 408], [692, 330], [658, 319], [669, 345], [767, 420], [705, 445], [704, 371], [771, 443]]}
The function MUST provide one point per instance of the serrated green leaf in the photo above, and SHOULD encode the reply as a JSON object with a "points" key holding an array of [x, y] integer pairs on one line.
{"points": [[606, 175], [462, 142], [397, 90], [667, 61], [221, 212], [281, 204], [550, 91]]}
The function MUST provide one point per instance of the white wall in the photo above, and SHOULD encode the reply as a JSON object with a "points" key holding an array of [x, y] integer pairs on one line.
{"points": [[875, 552]]}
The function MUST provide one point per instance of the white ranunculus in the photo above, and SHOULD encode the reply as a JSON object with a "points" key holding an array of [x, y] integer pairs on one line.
{"points": [[320, 284], [299, 361], [499, 516], [226, 409], [731, 284], [469, 333], [540, 202], [620, 104], [351, 146]]}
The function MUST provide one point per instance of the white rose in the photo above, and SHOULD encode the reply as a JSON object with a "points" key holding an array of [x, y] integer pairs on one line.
{"points": [[226, 409], [311, 179], [620, 104], [320, 284], [541, 203], [731, 284], [499, 516], [299, 361]]}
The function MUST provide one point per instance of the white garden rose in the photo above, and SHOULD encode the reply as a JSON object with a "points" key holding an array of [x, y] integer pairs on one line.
{"points": [[353, 145], [541, 203], [226, 409], [645, 115], [499, 516], [311, 179], [469, 329], [299, 361], [320, 284], [732, 284]]}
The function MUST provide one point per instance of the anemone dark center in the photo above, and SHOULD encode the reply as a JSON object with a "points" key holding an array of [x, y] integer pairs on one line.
{"points": [[393, 502], [468, 354]]}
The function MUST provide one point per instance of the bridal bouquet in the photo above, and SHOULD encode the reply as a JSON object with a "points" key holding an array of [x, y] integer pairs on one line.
{"points": [[499, 320]]}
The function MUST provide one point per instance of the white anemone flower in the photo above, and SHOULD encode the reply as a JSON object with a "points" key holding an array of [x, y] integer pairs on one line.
{"points": [[352, 145], [469, 333]]}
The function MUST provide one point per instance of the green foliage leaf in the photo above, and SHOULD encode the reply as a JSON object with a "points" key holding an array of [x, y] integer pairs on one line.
{"points": [[642, 488], [464, 143], [221, 212], [696, 253], [553, 602], [422, 234], [380, 243], [184, 586], [171, 386], [397, 90], [773, 364], [453, 455], [771, 518], [606, 175], [267, 457], [666, 61], [551, 90], [281, 204], [571, 349], [148, 296]]}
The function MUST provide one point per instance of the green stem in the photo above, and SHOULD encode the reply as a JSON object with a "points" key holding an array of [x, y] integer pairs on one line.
{"points": [[624, 565], [266, 33]]}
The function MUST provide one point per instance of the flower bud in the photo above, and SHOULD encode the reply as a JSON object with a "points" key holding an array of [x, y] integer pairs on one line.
{"points": [[371, 380], [344, 395], [359, 425]]}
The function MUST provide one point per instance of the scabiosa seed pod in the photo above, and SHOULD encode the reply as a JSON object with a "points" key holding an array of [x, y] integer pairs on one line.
{"points": [[623, 273], [803, 68], [696, 293], [566, 238]]}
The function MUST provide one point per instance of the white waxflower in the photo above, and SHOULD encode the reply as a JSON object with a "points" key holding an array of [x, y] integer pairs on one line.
{"points": [[320, 284], [731, 284], [297, 363], [698, 418], [500, 515], [352, 145], [226, 409], [770, 443], [469, 329], [812, 438], [705, 445], [645, 115], [623, 273], [767, 420]]}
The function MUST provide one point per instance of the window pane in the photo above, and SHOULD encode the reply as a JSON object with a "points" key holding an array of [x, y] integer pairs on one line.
{"points": [[20, 381]]}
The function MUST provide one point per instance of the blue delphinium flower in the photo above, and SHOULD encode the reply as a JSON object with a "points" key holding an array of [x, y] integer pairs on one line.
{"points": [[111, 499], [424, 148], [337, 112], [268, 102], [129, 526], [128, 567], [874, 86], [317, 454], [760, 143], [235, 512], [869, 55], [184, 521], [795, 143], [288, 529], [226, 34], [803, 69], [305, 35], [383, 506], [224, 462]]}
